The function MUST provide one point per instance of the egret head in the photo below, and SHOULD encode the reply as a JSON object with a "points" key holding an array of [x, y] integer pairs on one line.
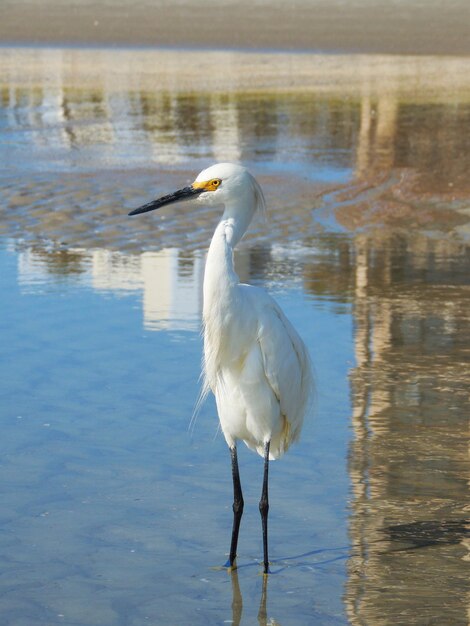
{"points": [[220, 184]]}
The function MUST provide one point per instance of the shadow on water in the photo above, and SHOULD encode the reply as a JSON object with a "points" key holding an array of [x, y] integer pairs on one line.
{"points": [[424, 534]]}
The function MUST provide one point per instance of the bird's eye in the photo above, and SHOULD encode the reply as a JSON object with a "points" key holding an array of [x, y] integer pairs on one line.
{"points": [[215, 182]]}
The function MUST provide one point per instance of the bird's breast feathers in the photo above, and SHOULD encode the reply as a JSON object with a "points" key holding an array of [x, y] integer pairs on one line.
{"points": [[252, 344]]}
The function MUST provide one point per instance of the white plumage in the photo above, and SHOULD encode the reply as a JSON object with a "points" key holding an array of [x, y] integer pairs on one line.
{"points": [[254, 362]]}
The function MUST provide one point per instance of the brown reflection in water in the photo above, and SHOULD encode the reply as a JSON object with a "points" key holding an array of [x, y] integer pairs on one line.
{"points": [[408, 460], [412, 162], [331, 275], [87, 117], [186, 261], [377, 132], [55, 261], [237, 602]]}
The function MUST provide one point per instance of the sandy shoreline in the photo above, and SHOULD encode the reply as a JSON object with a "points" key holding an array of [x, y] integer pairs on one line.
{"points": [[367, 26]]}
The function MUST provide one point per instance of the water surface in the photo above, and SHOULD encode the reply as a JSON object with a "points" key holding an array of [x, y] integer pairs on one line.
{"points": [[114, 508]]}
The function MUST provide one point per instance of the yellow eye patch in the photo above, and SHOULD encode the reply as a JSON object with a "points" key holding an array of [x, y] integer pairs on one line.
{"points": [[208, 185]]}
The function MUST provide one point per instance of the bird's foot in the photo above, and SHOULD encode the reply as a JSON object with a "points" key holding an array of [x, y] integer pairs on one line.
{"points": [[231, 564]]}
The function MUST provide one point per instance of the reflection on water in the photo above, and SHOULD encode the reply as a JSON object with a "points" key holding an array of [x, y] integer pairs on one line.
{"points": [[408, 456], [170, 107], [387, 137], [365, 164], [170, 280], [237, 603], [408, 460]]}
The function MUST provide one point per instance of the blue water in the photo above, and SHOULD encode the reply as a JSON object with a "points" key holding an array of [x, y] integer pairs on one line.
{"points": [[112, 507]]}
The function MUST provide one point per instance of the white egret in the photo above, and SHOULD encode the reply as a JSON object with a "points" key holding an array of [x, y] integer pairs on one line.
{"points": [[254, 362]]}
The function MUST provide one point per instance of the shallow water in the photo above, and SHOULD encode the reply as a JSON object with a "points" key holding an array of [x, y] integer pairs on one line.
{"points": [[115, 509]]}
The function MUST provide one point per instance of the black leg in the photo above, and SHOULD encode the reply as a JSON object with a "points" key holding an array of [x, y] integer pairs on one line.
{"points": [[264, 508], [237, 505]]}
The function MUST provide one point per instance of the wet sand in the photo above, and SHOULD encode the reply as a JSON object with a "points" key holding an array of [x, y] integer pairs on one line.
{"points": [[367, 26]]}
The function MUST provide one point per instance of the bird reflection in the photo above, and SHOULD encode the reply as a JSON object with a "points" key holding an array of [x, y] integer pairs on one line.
{"points": [[237, 602]]}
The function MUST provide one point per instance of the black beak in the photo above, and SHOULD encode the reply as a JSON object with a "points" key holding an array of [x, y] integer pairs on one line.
{"points": [[177, 196]]}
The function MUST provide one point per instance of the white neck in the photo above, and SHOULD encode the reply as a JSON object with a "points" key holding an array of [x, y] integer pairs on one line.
{"points": [[220, 277]]}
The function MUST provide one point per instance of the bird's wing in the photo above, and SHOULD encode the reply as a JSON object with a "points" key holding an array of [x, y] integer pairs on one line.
{"points": [[286, 364]]}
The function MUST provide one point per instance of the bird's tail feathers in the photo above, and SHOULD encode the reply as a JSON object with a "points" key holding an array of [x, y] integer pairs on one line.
{"points": [[203, 393]]}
